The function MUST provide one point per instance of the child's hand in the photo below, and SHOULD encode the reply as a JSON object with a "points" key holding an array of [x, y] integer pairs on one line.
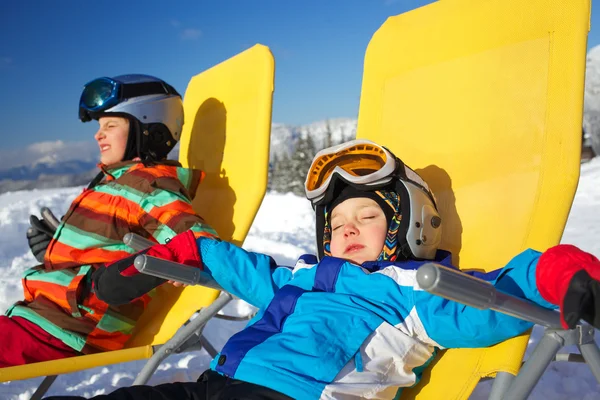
{"points": [[180, 249], [120, 282], [177, 284], [570, 278]]}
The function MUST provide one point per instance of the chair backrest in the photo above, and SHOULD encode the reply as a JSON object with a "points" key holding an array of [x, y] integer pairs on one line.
{"points": [[226, 134], [484, 99]]}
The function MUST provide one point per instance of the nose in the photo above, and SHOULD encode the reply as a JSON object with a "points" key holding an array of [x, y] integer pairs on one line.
{"points": [[99, 135], [350, 230]]}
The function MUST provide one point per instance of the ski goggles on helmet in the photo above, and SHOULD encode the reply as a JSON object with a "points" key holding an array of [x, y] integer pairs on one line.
{"points": [[101, 94], [360, 162]]}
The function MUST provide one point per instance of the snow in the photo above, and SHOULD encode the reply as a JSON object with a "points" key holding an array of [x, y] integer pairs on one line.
{"points": [[283, 228]]}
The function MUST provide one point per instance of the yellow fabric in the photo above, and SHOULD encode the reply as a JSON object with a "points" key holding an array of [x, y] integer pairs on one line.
{"points": [[484, 100], [74, 364], [226, 134], [228, 108]]}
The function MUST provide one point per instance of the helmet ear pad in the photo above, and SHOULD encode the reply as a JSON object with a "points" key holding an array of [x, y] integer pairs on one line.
{"points": [[420, 232], [156, 141]]}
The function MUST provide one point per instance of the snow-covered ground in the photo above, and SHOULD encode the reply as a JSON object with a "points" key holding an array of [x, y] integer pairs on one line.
{"points": [[284, 229]]}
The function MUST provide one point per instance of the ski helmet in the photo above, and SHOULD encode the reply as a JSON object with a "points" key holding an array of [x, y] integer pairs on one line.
{"points": [[370, 170], [153, 107]]}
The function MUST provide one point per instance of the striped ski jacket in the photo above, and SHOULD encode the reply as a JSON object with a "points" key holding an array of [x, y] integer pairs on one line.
{"points": [[154, 202]]}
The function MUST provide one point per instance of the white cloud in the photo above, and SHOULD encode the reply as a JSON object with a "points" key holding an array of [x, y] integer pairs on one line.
{"points": [[46, 147], [190, 33], [49, 152], [185, 33]]}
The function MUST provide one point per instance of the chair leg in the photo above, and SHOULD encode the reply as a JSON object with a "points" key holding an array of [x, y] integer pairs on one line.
{"points": [[502, 382], [43, 388], [181, 337], [591, 354], [210, 349], [536, 364]]}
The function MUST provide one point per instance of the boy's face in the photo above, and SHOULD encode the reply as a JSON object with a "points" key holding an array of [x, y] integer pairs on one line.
{"points": [[112, 139], [358, 230]]}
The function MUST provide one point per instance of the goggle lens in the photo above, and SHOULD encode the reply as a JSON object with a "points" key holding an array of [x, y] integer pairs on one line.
{"points": [[97, 93], [359, 160]]}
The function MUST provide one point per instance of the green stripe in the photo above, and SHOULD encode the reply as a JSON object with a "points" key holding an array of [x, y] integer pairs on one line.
{"points": [[83, 240], [185, 176], [163, 233], [84, 270], [160, 198], [118, 172], [113, 322], [71, 339], [198, 227], [61, 277], [126, 192]]}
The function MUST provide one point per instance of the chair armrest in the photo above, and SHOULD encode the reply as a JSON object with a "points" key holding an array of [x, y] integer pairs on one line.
{"points": [[458, 286]]}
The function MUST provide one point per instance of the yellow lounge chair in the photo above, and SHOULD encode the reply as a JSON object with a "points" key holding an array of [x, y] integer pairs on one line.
{"points": [[485, 100], [228, 117]]}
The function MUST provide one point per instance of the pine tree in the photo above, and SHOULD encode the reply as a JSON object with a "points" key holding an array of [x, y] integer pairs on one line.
{"points": [[300, 163], [328, 135], [271, 174], [280, 174]]}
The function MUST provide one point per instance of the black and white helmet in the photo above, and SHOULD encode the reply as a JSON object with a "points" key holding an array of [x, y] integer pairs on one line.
{"points": [[153, 107]]}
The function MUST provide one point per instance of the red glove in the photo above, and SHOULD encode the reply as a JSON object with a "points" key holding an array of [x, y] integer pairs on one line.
{"points": [[570, 278], [181, 249], [120, 282]]}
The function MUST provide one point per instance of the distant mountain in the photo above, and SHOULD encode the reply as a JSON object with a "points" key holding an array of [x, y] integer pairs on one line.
{"points": [[37, 169], [58, 164], [45, 181], [284, 137]]}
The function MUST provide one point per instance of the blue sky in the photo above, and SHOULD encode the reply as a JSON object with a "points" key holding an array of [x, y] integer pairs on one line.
{"points": [[48, 50]]}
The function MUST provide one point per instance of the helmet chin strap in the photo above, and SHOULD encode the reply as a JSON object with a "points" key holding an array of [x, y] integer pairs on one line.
{"points": [[137, 143], [132, 148]]}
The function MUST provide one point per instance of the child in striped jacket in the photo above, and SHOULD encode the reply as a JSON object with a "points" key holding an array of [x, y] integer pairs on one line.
{"points": [[137, 190]]}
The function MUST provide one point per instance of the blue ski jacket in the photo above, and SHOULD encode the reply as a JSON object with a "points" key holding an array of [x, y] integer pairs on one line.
{"points": [[333, 329]]}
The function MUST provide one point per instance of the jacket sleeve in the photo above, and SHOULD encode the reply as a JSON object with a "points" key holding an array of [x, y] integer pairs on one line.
{"points": [[253, 277], [450, 324], [166, 212]]}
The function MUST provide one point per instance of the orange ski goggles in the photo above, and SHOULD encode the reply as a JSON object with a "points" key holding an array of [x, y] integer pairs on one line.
{"points": [[359, 162]]}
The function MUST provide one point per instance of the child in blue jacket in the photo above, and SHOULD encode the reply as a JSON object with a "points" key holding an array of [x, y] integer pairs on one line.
{"points": [[354, 323]]}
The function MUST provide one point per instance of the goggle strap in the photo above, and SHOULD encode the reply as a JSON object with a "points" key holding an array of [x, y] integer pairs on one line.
{"points": [[131, 90], [407, 174]]}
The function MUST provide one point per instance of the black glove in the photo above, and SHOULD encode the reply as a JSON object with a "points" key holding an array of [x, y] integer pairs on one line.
{"points": [[582, 300], [40, 233], [570, 278], [116, 289]]}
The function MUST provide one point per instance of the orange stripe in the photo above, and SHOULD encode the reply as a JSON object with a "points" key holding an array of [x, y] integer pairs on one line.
{"points": [[51, 291], [203, 234], [163, 214], [107, 341], [64, 254], [105, 203]]}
